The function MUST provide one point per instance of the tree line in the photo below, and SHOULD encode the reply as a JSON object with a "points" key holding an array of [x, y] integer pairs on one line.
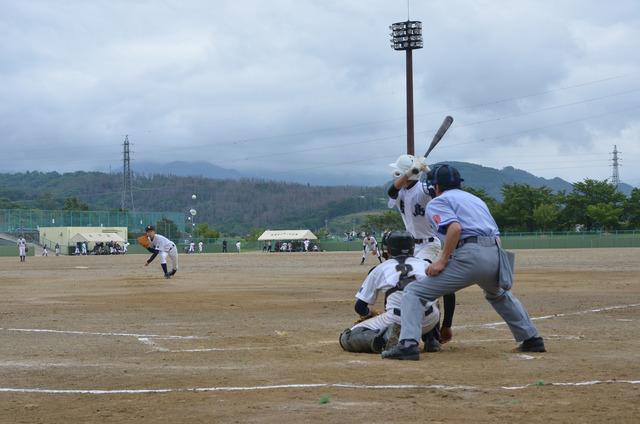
{"points": [[592, 205]]}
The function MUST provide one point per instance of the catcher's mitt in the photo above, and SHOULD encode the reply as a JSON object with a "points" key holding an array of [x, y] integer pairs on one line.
{"points": [[143, 241], [372, 313]]}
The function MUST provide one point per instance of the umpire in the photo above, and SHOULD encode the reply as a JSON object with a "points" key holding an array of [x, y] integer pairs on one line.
{"points": [[471, 255]]}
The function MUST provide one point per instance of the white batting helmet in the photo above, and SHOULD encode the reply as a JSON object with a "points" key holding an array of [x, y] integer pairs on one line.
{"points": [[402, 165]]}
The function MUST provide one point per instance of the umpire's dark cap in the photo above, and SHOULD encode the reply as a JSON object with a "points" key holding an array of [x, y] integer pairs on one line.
{"points": [[445, 175]]}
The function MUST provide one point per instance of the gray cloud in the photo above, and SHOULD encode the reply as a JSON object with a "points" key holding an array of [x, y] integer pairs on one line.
{"points": [[313, 85]]}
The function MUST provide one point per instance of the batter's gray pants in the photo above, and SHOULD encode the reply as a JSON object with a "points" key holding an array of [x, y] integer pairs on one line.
{"points": [[472, 263]]}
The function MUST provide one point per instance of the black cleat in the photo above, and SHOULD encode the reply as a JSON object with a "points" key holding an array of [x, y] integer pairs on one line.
{"points": [[411, 353], [431, 344], [362, 262], [534, 344], [167, 275], [173, 272]]}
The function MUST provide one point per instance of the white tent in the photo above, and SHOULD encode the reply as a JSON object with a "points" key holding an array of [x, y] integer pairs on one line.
{"points": [[287, 235]]}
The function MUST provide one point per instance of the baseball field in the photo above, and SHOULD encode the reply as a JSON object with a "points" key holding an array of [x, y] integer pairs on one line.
{"points": [[253, 338]]}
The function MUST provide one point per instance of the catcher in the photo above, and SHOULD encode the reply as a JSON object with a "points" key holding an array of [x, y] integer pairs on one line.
{"points": [[157, 244], [373, 331]]}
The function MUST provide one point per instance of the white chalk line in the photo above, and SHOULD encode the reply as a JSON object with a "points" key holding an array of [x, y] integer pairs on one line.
{"points": [[588, 311], [145, 338], [303, 386], [95, 333]]}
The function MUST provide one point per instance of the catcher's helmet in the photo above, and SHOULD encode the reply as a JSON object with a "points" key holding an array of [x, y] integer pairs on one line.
{"points": [[399, 243]]}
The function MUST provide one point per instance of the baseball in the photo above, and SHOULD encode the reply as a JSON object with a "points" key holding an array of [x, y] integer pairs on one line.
{"points": [[194, 197]]}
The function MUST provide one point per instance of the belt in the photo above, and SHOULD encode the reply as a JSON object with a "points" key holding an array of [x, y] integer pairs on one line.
{"points": [[429, 240], [397, 312], [472, 239]]}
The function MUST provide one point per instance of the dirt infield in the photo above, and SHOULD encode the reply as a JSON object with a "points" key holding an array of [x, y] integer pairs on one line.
{"points": [[253, 338]]}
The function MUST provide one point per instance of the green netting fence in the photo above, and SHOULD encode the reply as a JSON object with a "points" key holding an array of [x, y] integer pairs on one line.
{"points": [[17, 220], [563, 240]]}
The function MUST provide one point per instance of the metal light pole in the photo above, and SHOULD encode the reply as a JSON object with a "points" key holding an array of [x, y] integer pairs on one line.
{"points": [[407, 36]]}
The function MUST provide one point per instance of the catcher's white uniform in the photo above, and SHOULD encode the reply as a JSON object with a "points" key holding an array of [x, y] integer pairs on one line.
{"points": [[384, 278], [412, 203]]}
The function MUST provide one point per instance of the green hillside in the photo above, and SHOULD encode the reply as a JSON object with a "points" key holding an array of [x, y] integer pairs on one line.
{"points": [[236, 205]]}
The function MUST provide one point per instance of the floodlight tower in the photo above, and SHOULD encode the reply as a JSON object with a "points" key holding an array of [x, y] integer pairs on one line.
{"points": [[407, 36]]}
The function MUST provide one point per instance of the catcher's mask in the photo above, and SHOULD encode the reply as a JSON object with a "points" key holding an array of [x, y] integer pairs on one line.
{"points": [[399, 243]]}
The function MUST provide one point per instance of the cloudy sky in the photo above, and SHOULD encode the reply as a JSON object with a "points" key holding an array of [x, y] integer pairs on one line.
{"points": [[313, 86]]}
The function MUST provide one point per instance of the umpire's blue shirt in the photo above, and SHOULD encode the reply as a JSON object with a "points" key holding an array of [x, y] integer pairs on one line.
{"points": [[464, 208]]}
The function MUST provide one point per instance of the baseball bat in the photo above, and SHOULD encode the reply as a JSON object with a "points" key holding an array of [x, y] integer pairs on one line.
{"points": [[436, 138], [441, 131]]}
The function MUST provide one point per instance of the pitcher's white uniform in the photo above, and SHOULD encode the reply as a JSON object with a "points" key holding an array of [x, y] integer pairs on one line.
{"points": [[165, 247], [369, 244], [412, 203], [385, 277]]}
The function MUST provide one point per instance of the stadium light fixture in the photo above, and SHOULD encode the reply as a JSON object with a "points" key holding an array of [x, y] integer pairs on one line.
{"points": [[407, 36]]}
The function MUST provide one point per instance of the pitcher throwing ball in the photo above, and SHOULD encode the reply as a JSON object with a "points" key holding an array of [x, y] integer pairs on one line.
{"points": [[157, 244], [471, 255]]}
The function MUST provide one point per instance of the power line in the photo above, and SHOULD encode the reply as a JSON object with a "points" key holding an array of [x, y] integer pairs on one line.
{"points": [[438, 112]]}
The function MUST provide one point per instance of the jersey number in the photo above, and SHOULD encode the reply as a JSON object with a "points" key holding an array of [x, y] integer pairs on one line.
{"points": [[418, 210]]}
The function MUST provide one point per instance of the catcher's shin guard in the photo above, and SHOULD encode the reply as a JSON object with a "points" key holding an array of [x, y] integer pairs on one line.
{"points": [[358, 340]]}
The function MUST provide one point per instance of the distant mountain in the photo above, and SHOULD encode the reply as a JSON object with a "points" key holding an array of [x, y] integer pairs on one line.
{"points": [[477, 176], [233, 202], [491, 180], [185, 169]]}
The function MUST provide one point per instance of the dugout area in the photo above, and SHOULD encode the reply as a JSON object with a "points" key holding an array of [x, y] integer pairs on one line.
{"points": [[253, 338]]}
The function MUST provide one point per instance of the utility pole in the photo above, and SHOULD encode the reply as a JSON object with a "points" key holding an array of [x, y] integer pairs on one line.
{"points": [[127, 178], [615, 175]]}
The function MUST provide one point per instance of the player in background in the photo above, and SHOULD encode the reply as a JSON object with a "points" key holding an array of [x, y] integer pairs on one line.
{"points": [[57, 249], [369, 244], [45, 251], [224, 246], [200, 246], [374, 332], [22, 248], [84, 248], [238, 245], [410, 197], [305, 243], [165, 247], [192, 247]]}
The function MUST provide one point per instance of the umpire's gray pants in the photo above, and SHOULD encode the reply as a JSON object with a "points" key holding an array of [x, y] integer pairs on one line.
{"points": [[472, 263]]}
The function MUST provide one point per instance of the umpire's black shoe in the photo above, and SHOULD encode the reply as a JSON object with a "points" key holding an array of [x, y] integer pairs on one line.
{"points": [[534, 344], [399, 351], [167, 275]]}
